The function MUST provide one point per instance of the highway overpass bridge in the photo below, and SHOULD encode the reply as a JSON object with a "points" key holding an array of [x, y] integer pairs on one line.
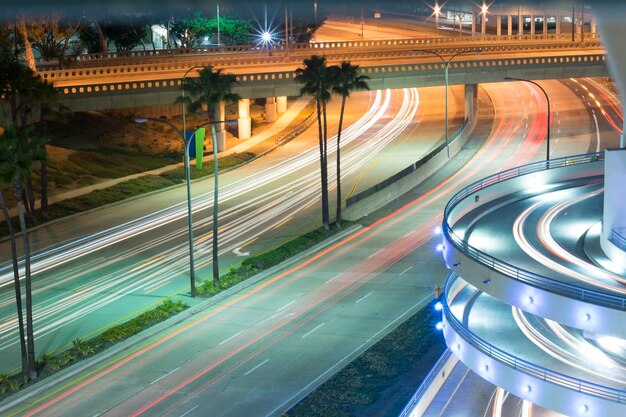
{"points": [[149, 84]]}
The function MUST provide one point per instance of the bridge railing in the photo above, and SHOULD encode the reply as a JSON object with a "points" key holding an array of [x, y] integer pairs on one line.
{"points": [[173, 70], [97, 59], [509, 270], [522, 365], [421, 390]]}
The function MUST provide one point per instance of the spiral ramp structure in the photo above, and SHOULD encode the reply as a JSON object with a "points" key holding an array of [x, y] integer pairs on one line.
{"points": [[532, 304]]}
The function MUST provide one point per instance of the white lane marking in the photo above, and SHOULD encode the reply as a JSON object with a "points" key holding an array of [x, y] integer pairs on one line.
{"points": [[165, 376], [238, 252], [376, 253], [405, 271], [331, 369], [558, 131], [189, 411], [312, 330], [256, 367], [558, 121], [285, 306], [364, 297], [230, 338], [332, 279], [595, 119], [593, 111]]}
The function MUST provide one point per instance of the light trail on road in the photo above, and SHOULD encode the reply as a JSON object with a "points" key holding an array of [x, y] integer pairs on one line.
{"points": [[246, 214]]}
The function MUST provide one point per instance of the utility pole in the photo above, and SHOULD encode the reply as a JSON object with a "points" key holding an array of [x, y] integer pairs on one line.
{"points": [[218, 25], [361, 22]]}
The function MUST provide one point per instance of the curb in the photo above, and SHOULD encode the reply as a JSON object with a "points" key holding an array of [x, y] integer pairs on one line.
{"points": [[132, 342]]}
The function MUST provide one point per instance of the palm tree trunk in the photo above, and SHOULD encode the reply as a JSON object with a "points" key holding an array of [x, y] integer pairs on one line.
{"points": [[43, 177], [16, 282], [30, 196], [325, 209], [30, 337], [338, 212], [322, 161]]}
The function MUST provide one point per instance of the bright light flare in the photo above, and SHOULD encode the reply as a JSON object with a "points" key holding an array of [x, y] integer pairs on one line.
{"points": [[266, 37], [484, 8], [439, 326], [439, 306]]}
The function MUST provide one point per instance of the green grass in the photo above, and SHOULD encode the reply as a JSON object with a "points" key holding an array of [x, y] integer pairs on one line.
{"points": [[376, 382], [127, 189], [49, 364]]}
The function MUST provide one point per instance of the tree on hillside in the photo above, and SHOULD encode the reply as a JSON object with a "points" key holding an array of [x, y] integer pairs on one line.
{"points": [[52, 37], [347, 79], [19, 150], [188, 31], [210, 89], [233, 31], [317, 80]]}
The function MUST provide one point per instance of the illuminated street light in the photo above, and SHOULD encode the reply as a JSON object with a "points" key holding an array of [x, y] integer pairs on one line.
{"points": [[266, 37], [483, 20], [437, 12], [548, 102], [446, 65]]}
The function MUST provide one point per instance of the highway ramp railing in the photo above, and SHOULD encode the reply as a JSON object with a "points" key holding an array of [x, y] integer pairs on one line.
{"points": [[522, 365], [507, 269], [426, 383], [404, 172]]}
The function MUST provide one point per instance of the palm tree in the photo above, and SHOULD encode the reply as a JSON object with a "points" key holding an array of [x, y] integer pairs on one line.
{"points": [[20, 151], [210, 89], [347, 80], [317, 80], [6, 181]]}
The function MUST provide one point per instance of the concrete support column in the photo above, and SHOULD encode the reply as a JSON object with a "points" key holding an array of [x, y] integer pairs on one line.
{"points": [[220, 133], [498, 25], [471, 100], [593, 27], [281, 104], [532, 24], [483, 24], [270, 109], [520, 24], [545, 25], [244, 122], [509, 27], [473, 23], [558, 24]]}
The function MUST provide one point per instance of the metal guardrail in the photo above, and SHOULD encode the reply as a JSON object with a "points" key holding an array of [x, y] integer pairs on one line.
{"points": [[406, 171], [421, 390], [618, 238], [524, 366], [539, 281]]}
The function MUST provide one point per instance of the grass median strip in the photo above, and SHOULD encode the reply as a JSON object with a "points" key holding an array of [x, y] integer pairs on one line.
{"points": [[383, 378], [48, 363]]}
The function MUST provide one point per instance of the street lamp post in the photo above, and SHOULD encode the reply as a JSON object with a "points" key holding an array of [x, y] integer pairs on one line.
{"points": [[548, 102], [446, 65], [186, 141]]}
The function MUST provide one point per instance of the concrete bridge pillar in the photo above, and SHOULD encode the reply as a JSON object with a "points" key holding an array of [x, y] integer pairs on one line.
{"points": [[471, 100], [545, 25], [244, 122], [520, 23], [498, 25], [220, 133], [558, 24], [593, 27], [473, 23], [281, 104], [270, 110], [483, 24], [532, 24], [509, 26]]}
